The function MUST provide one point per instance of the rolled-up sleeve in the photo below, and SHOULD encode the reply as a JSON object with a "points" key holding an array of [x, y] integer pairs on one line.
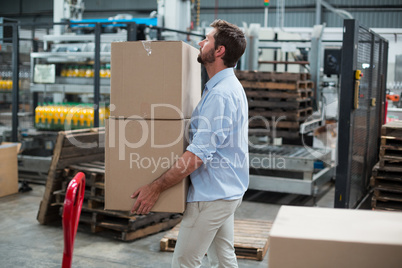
{"points": [[214, 123]]}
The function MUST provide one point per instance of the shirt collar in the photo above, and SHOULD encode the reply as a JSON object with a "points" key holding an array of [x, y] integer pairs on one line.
{"points": [[218, 77]]}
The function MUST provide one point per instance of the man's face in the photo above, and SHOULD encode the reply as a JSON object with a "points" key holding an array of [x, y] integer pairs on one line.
{"points": [[207, 49]]}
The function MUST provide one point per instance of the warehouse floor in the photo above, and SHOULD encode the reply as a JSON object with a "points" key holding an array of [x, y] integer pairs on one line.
{"points": [[26, 243]]}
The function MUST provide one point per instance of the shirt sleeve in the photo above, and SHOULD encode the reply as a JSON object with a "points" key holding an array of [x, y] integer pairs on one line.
{"points": [[215, 122]]}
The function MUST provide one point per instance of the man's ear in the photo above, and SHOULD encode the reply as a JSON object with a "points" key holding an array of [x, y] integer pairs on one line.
{"points": [[220, 52]]}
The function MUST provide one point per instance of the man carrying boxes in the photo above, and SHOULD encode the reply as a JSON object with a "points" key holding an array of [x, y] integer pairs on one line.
{"points": [[216, 158]]}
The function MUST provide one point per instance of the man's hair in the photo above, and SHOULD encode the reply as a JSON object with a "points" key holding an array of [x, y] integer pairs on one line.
{"points": [[232, 38]]}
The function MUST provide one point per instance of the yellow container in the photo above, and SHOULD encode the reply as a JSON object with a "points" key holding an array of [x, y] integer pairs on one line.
{"points": [[76, 116], [50, 116], [81, 71], [65, 110], [88, 72], [58, 115], [45, 111], [102, 116], [38, 114], [63, 72], [83, 116], [9, 84], [103, 72], [76, 71], [3, 84], [91, 116], [70, 71]]}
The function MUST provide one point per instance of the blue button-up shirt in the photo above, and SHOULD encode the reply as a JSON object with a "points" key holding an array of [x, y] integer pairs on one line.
{"points": [[219, 136]]}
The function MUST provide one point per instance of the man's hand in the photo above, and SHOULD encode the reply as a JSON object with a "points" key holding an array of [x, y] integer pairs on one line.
{"points": [[147, 197], [149, 194]]}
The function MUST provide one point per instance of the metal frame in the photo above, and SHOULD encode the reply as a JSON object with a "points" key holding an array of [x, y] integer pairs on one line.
{"points": [[16, 89], [349, 50], [292, 186], [348, 112], [294, 160], [15, 73]]}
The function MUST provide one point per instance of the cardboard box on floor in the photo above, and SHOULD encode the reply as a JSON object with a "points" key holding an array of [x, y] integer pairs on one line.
{"points": [[326, 237], [138, 152], [9, 168], [154, 79]]}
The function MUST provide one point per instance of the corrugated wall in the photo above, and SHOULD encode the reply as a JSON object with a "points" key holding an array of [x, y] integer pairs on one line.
{"points": [[301, 13], [298, 13]]}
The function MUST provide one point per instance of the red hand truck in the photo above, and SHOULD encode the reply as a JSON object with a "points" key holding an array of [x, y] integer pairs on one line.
{"points": [[71, 215]]}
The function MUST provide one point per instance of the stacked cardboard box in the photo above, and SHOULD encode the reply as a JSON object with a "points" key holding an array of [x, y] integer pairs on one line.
{"points": [[155, 86]]}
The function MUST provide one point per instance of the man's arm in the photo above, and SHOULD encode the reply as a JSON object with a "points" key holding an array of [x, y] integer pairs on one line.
{"points": [[149, 194]]}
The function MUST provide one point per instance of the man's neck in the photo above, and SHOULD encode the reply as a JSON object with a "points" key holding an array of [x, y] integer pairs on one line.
{"points": [[213, 69]]}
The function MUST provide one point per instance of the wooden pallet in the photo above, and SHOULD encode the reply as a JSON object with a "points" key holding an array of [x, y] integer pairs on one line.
{"points": [[281, 95], [290, 115], [392, 129], [114, 224], [391, 142], [385, 205], [67, 153], [387, 199], [386, 177], [386, 173], [387, 184], [278, 102], [391, 135], [108, 230], [390, 151], [250, 241], [391, 148], [267, 124], [275, 123], [388, 195], [271, 76], [392, 162], [292, 85], [295, 104], [283, 133]]}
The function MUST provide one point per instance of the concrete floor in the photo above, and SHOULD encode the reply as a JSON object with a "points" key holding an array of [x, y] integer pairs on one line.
{"points": [[26, 243]]}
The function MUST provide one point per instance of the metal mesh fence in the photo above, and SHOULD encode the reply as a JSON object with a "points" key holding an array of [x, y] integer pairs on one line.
{"points": [[365, 121]]}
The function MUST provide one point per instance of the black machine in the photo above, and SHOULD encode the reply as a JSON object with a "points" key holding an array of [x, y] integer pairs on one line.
{"points": [[332, 61]]}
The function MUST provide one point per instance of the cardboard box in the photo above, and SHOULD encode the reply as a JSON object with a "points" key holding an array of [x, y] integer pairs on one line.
{"points": [[138, 152], [9, 169], [154, 80], [325, 237]]}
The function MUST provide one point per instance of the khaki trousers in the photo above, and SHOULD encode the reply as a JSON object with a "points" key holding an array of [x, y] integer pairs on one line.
{"points": [[207, 227]]}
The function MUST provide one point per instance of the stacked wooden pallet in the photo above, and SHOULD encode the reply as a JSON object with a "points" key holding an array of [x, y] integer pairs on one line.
{"points": [[72, 147], [278, 102], [387, 173], [115, 224], [250, 239], [83, 151]]}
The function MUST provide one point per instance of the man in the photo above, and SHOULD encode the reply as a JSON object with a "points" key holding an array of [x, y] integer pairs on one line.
{"points": [[217, 158]]}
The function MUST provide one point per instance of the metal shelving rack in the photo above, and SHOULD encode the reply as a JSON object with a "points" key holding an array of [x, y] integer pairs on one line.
{"points": [[80, 85]]}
